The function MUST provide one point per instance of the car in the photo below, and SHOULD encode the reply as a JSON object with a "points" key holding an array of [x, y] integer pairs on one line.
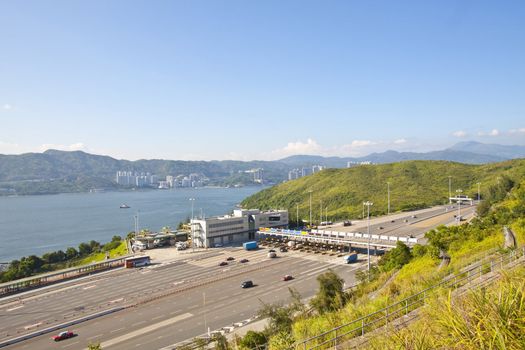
{"points": [[380, 227], [271, 251], [218, 245], [246, 284], [393, 221], [287, 277], [414, 217], [223, 263], [283, 249], [406, 220], [243, 261], [63, 335], [230, 258]]}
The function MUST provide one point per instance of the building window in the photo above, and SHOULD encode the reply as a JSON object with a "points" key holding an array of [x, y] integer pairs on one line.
{"points": [[230, 238]]}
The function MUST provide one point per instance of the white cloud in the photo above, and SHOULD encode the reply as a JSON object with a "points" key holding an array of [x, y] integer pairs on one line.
{"points": [[517, 131], [400, 141], [308, 147], [7, 106], [79, 146], [493, 132], [459, 133]]}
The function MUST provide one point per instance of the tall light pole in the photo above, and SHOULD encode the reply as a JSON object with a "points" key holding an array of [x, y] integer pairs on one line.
{"points": [[478, 183], [297, 216], [368, 204], [192, 200], [458, 192], [321, 216], [326, 214], [136, 217], [449, 190], [310, 223], [388, 191]]}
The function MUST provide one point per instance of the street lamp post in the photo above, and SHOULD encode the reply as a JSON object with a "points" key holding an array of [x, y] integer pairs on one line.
{"points": [[192, 200], [458, 192], [368, 204], [388, 191], [478, 183], [297, 226], [449, 190], [310, 223]]}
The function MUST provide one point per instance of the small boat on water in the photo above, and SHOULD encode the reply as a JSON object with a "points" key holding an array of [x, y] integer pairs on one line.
{"points": [[124, 206]]}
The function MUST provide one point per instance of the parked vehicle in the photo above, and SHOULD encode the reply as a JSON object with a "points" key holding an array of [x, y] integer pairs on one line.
{"points": [[271, 251], [223, 263], [246, 284], [243, 261], [283, 249], [287, 277], [250, 245], [272, 254], [63, 335], [347, 223], [230, 258], [351, 258]]}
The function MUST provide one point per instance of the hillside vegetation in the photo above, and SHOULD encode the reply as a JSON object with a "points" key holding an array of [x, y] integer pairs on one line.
{"points": [[413, 184], [487, 319]]}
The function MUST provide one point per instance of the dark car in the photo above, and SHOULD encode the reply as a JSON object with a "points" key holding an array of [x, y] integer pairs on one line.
{"points": [[223, 263], [246, 284], [230, 258], [283, 249], [287, 278], [63, 335], [243, 261], [271, 251]]}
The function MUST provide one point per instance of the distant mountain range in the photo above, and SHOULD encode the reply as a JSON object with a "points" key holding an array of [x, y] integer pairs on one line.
{"points": [[60, 171]]}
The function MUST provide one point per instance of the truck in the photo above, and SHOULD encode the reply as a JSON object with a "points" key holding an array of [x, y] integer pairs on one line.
{"points": [[351, 258], [250, 245]]}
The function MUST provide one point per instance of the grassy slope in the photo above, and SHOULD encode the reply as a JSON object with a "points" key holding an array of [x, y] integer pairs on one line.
{"points": [[412, 183], [96, 257], [422, 272]]}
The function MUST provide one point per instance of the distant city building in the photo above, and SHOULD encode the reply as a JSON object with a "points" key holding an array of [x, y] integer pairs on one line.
{"points": [[239, 227], [257, 174], [306, 171], [317, 168], [354, 164], [164, 185]]}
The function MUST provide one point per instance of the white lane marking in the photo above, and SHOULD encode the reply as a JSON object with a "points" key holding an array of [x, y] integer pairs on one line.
{"points": [[116, 300], [156, 318], [116, 330], [70, 344], [145, 330], [32, 325], [15, 308], [95, 336], [89, 287]]}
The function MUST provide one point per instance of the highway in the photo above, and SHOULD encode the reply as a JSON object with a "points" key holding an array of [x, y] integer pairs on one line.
{"points": [[179, 299], [172, 318]]}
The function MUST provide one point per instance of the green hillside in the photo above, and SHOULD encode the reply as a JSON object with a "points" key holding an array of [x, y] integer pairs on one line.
{"points": [[413, 184]]}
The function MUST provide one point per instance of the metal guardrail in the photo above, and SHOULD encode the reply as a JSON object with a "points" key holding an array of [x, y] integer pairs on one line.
{"points": [[372, 321]]}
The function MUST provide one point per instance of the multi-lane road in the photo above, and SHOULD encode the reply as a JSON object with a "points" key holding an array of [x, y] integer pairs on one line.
{"points": [[181, 298]]}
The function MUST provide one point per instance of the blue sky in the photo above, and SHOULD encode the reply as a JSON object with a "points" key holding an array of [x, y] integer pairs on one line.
{"points": [[259, 79]]}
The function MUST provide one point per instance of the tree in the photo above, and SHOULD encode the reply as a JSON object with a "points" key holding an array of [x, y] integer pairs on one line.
{"points": [[92, 346], [396, 258], [84, 249], [253, 340], [71, 253], [331, 295], [116, 238]]}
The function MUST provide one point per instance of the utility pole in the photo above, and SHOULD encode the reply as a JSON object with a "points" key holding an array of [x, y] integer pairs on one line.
{"points": [[136, 217], [368, 204]]}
